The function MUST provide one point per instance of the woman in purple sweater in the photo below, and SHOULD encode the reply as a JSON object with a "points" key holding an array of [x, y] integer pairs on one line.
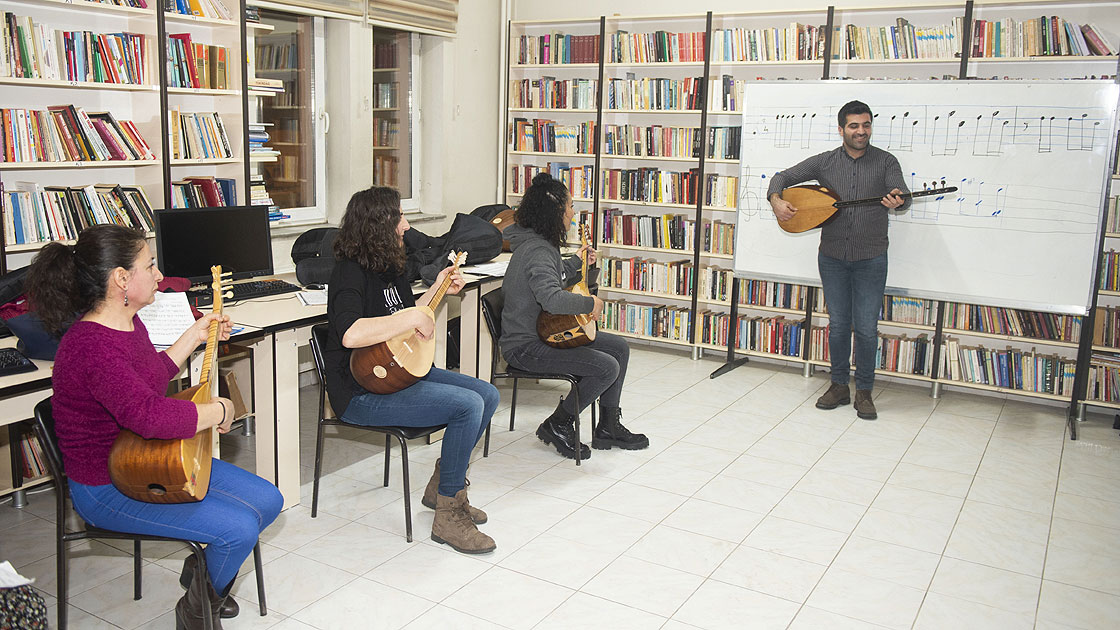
{"points": [[108, 377]]}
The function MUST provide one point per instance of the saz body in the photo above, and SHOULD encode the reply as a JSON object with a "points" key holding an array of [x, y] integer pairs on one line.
{"points": [[817, 204], [172, 471], [570, 331], [397, 363]]}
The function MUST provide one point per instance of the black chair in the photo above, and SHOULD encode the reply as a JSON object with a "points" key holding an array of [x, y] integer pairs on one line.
{"points": [[44, 431], [403, 434], [492, 304]]}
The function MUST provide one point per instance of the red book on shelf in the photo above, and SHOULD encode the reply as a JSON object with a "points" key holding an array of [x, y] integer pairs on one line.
{"points": [[211, 194], [184, 40], [115, 152]]}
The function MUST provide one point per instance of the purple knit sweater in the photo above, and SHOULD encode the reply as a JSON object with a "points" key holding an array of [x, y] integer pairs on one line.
{"points": [[104, 380]]}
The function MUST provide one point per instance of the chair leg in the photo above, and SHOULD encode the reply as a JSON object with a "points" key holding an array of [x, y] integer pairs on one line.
{"points": [[513, 405], [318, 470], [260, 578], [137, 577], [63, 577], [486, 444], [579, 445], [201, 575], [387, 449], [407, 493]]}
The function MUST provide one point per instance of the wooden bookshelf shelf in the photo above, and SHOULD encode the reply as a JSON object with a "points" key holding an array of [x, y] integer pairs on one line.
{"points": [[667, 296], [1006, 390], [656, 112], [258, 26], [22, 166], [34, 247], [386, 69], [547, 154], [654, 158], [1054, 58], [892, 61], [663, 250], [263, 158], [1102, 403], [674, 342], [386, 109], [198, 19], [985, 335], [548, 110], [377, 148], [756, 307], [81, 85], [653, 204], [911, 326], [574, 66], [262, 93], [752, 353], [205, 161], [84, 5], [203, 91], [1106, 349]]}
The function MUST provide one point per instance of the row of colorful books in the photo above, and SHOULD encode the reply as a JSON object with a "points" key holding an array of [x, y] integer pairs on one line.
{"points": [[894, 353], [648, 320], [203, 192], [37, 214], [578, 179], [908, 310], [65, 133], [194, 65], [33, 463], [1043, 36], [1104, 378], [641, 274], [218, 9], [1013, 322], [900, 41], [385, 56], [386, 169], [655, 47], [652, 185], [1112, 225], [668, 231], [386, 132], [798, 42], [715, 284], [557, 48], [198, 135], [550, 93], [772, 335], [683, 142], [385, 94], [276, 56], [546, 136], [654, 94], [32, 50], [1011, 368]]}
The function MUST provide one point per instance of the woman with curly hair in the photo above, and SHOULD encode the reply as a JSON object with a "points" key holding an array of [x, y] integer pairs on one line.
{"points": [[535, 280], [366, 301]]}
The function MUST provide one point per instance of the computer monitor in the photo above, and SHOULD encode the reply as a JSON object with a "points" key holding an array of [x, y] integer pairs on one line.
{"points": [[189, 241]]}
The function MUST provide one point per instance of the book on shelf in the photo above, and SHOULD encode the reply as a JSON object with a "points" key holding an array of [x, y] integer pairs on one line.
{"points": [[204, 192], [902, 40], [1013, 322], [385, 56], [217, 9], [36, 51], [577, 179], [66, 133], [557, 48], [198, 135], [385, 94], [771, 335], [194, 65], [1010, 368], [647, 320], [546, 136], [908, 310], [905, 355], [798, 42], [268, 85], [34, 213], [33, 463], [655, 47], [550, 93], [1034, 37], [650, 185], [653, 94], [639, 274]]}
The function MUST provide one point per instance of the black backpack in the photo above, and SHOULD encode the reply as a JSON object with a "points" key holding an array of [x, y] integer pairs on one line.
{"points": [[426, 255], [313, 254]]}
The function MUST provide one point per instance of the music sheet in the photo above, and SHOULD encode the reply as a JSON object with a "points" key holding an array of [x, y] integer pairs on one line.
{"points": [[167, 318]]}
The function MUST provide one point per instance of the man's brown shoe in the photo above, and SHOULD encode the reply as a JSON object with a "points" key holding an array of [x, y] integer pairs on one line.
{"points": [[835, 396], [430, 492], [865, 407], [453, 526]]}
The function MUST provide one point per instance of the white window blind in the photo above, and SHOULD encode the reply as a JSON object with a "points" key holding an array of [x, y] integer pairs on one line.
{"points": [[330, 8], [426, 16]]}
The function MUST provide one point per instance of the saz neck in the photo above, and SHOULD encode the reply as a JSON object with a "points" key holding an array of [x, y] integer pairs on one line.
{"points": [[920, 193]]}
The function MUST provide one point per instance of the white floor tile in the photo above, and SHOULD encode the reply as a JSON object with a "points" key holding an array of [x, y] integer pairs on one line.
{"points": [[365, 600], [719, 606], [587, 612], [905, 530], [875, 601], [809, 618], [569, 563], [638, 501], [714, 519], [797, 540], [770, 573], [1077, 607], [508, 598], [682, 550], [644, 585], [941, 611], [884, 561], [993, 587], [430, 572], [820, 511]]}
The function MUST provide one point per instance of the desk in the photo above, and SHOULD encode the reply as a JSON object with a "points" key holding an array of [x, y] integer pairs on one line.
{"points": [[19, 393]]}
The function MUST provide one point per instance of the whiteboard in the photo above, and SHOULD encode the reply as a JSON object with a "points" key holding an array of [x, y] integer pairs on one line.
{"points": [[1031, 160]]}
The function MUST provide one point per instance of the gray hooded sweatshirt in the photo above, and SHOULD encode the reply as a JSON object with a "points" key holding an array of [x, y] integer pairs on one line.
{"points": [[536, 279]]}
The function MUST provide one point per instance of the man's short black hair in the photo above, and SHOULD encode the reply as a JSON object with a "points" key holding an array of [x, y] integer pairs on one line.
{"points": [[852, 108]]}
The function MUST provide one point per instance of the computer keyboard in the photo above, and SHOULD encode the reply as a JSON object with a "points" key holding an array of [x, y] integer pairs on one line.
{"points": [[12, 361], [243, 291]]}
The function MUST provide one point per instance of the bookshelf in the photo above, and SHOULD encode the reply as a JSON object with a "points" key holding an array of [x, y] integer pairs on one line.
{"points": [[645, 119]]}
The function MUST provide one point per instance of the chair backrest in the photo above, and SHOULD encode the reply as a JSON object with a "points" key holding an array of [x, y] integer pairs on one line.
{"points": [[48, 442], [318, 341], [492, 304]]}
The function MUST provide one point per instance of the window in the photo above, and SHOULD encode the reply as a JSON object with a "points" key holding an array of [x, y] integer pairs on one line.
{"points": [[396, 113], [292, 54]]}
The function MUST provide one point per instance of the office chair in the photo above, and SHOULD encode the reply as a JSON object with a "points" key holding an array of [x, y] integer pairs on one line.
{"points": [[492, 304], [44, 431], [403, 434]]}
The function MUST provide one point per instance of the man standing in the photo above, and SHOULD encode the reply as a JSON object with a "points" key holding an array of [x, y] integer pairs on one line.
{"points": [[852, 259]]}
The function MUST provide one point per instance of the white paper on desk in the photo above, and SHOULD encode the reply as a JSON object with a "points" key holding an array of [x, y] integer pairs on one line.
{"points": [[9, 578], [313, 298], [496, 269], [167, 318]]}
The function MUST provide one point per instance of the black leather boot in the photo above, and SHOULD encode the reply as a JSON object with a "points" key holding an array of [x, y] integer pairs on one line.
{"points": [[611, 433], [190, 563], [200, 600], [559, 430]]}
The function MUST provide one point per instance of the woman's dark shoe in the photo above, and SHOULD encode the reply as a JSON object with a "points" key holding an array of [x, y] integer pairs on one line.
{"points": [[230, 609], [199, 600], [559, 430], [611, 433]]}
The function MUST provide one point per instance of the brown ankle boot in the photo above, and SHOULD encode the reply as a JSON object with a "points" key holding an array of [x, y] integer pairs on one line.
{"points": [[836, 395], [865, 407], [430, 493], [230, 609], [453, 526], [200, 600]]}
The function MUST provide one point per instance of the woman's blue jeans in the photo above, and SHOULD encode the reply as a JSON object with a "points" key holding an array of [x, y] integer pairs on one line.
{"points": [[237, 508], [853, 292], [464, 403], [601, 366]]}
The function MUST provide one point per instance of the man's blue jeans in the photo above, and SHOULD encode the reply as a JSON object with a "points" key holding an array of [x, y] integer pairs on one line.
{"points": [[853, 292], [237, 508], [464, 403]]}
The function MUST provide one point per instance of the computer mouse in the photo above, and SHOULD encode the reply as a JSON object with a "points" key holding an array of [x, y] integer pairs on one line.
{"points": [[314, 286]]}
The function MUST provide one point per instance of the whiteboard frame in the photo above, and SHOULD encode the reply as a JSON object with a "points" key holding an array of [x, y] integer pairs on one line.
{"points": [[1063, 309]]}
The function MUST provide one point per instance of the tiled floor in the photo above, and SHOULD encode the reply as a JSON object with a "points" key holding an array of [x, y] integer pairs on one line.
{"points": [[751, 509]]}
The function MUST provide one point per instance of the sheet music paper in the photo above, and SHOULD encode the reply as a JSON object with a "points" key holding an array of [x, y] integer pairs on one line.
{"points": [[167, 318], [313, 298], [496, 269]]}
